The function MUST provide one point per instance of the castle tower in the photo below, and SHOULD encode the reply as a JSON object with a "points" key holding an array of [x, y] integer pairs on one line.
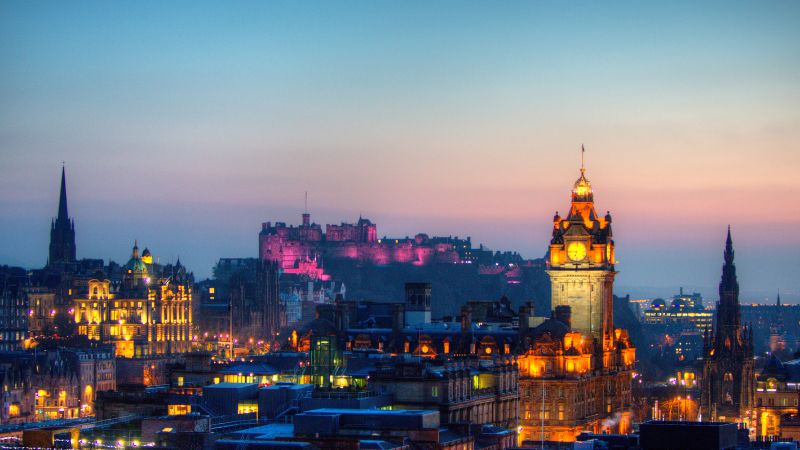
{"points": [[581, 265], [62, 232], [728, 354]]}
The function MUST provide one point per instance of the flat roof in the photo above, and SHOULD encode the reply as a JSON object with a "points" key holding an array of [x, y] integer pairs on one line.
{"points": [[227, 385], [377, 412], [284, 385], [267, 432]]}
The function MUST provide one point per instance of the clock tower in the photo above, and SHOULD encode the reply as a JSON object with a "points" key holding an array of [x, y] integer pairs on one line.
{"points": [[581, 265]]}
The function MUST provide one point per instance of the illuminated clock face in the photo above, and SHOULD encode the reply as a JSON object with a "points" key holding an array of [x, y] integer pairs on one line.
{"points": [[576, 251]]}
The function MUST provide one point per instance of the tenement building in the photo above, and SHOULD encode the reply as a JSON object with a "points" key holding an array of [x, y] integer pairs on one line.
{"points": [[576, 369], [728, 354], [474, 390], [777, 391], [148, 313], [13, 308]]}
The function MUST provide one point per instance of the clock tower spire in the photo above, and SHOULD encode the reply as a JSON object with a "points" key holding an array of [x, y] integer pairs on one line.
{"points": [[581, 264]]}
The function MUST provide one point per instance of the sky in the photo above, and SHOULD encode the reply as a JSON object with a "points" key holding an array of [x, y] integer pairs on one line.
{"points": [[185, 125]]}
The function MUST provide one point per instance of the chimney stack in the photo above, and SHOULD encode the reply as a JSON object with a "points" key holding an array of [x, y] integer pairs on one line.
{"points": [[524, 316]]}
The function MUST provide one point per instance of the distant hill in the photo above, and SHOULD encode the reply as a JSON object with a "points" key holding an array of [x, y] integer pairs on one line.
{"points": [[453, 284]]}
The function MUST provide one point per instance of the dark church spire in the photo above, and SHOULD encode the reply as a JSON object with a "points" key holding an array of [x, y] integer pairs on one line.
{"points": [[62, 199], [728, 362], [728, 285], [62, 231], [728, 311], [729, 248]]}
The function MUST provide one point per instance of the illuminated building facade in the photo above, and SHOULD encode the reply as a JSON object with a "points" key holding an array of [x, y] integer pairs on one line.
{"points": [[776, 326], [564, 392], [40, 386], [776, 396], [577, 369], [727, 385], [53, 384], [394, 328], [475, 391], [291, 246], [13, 308], [680, 324], [581, 265], [17, 393], [685, 313], [42, 310], [149, 313], [97, 372]]}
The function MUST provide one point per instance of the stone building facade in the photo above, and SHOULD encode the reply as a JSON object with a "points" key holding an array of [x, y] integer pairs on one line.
{"points": [[776, 395], [13, 308], [576, 369], [149, 313], [466, 391], [291, 246]]}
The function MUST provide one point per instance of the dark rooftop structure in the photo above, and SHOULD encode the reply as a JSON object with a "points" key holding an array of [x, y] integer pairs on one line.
{"points": [[671, 435]]}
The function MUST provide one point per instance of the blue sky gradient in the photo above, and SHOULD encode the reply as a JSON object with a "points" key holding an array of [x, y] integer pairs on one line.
{"points": [[186, 124]]}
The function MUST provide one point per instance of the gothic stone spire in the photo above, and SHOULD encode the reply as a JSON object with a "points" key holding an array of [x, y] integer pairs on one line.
{"points": [[62, 230], [728, 324], [62, 199]]}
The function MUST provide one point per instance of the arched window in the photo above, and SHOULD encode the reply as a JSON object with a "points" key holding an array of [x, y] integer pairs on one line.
{"points": [[728, 376]]}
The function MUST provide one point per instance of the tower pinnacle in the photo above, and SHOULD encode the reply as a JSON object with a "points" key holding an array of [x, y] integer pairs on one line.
{"points": [[729, 284], [62, 199], [729, 248], [583, 153], [582, 189], [62, 231]]}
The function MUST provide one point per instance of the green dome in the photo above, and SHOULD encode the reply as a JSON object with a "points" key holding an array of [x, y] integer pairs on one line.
{"points": [[136, 265]]}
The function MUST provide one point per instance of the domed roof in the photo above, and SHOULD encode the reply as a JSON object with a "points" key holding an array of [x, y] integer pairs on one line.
{"points": [[136, 265], [658, 303], [582, 190], [146, 252], [678, 303]]}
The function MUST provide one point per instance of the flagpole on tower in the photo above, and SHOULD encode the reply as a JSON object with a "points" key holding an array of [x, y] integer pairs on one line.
{"points": [[583, 153]]}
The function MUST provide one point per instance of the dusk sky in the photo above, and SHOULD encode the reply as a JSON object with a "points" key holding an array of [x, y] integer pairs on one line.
{"points": [[185, 125]]}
